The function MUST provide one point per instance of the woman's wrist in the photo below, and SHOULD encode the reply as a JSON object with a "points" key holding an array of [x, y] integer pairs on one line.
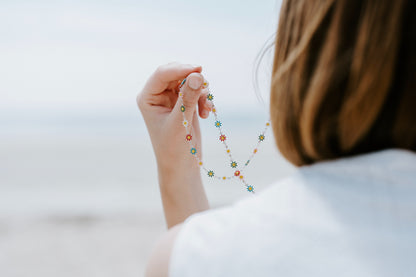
{"points": [[180, 175]]}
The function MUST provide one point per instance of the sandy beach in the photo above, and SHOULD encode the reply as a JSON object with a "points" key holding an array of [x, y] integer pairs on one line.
{"points": [[78, 245]]}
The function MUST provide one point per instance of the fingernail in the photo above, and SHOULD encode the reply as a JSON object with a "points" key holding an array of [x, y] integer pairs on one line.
{"points": [[205, 113], [194, 83], [195, 65]]}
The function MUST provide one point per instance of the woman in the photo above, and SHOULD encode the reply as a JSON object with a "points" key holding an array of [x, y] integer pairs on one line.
{"points": [[342, 96]]}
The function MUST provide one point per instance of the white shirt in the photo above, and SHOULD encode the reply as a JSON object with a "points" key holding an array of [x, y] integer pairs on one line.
{"points": [[349, 217]]}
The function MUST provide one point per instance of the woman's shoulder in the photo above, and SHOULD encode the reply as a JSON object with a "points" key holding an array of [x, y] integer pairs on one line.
{"points": [[315, 205], [222, 241]]}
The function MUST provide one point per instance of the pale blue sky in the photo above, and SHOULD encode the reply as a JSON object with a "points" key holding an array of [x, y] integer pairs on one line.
{"points": [[96, 55]]}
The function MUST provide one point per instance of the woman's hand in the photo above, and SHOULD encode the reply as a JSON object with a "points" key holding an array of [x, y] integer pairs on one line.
{"points": [[179, 175]]}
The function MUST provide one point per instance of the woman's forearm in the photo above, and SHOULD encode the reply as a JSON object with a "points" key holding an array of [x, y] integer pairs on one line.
{"points": [[182, 193]]}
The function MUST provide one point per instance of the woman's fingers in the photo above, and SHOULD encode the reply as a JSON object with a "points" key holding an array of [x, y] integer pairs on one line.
{"points": [[204, 106], [166, 74], [191, 92]]}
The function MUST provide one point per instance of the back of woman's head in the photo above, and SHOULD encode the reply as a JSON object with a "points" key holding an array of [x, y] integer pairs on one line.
{"points": [[343, 78]]}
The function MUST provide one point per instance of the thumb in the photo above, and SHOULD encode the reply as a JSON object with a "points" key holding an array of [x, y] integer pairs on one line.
{"points": [[189, 95]]}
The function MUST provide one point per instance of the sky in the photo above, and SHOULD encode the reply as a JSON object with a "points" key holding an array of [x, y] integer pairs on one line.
{"points": [[94, 56]]}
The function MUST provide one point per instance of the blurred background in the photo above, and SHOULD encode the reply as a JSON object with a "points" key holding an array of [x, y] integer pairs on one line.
{"points": [[78, 184]]}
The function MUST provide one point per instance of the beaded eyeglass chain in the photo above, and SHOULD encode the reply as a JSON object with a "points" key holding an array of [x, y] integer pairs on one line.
{"points": [[238, 171]]}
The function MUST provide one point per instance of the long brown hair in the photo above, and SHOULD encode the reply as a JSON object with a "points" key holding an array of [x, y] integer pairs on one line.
{"points": [[343, 79]]}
